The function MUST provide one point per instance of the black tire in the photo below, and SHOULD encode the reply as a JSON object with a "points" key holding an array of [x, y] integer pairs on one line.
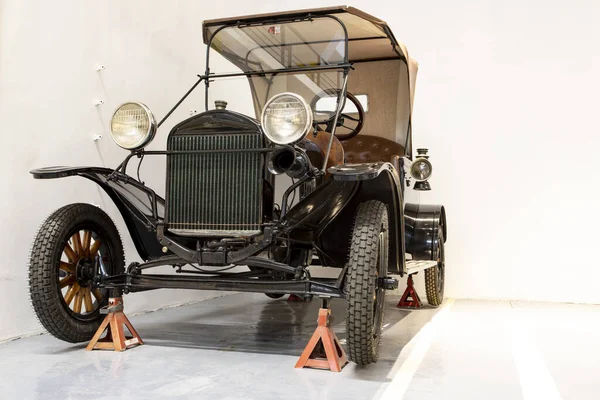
{"points": [[50, 261], [435, 276], [367, 261], [275, 295]]}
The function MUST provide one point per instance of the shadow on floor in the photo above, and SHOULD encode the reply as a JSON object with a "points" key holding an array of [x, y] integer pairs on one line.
{"points": [[256, 324]]}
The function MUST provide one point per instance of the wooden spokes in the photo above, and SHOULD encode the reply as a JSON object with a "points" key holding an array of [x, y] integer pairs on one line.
{"points": [[80, 298], [71, 255]]}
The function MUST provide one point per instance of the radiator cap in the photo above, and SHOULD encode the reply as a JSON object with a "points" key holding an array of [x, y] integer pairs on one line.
{"points": [[220, 104]]}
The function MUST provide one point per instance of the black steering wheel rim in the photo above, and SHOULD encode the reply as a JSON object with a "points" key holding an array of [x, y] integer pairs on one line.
{"points": [[359, 121]]}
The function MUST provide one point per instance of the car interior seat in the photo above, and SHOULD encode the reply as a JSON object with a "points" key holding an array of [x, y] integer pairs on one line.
{"points": [[367, 148]]}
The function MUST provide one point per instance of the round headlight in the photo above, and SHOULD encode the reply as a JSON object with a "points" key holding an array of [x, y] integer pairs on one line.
{"points": [[286, 118], [421, 169], [132, 126]]}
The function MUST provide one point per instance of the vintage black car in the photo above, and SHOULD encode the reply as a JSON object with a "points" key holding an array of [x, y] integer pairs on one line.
{"points": [[332, 90]]}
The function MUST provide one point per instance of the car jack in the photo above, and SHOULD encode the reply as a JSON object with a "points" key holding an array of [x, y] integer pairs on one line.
{"points": [[410, 292], [113, 324], [323, 350]]}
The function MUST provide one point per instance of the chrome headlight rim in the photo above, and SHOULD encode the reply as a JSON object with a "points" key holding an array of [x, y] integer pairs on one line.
{"points": [[413, 166], [305, 129], [150, 133]]}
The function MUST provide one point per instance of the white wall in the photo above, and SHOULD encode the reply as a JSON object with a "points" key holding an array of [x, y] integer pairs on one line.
{"points": [[506, 101], [48, 82]]}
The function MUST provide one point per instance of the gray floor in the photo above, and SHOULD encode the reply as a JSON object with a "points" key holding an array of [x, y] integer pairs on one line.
{"points": [[244, 346]]}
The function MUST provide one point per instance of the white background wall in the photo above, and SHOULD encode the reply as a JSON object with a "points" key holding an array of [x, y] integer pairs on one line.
{"points": [[507, 99]]}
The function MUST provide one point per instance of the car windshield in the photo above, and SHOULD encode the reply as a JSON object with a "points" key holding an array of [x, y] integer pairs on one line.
{"points": [[306, 57]]}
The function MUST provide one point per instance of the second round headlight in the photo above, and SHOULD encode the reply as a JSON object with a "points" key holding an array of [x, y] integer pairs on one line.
{"points": [[421, 169], [132, 126], [286, 118]]}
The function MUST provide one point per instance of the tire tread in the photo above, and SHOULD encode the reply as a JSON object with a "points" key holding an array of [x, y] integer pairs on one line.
{"points": [[43, 290], [361, 281], [434, 297]]}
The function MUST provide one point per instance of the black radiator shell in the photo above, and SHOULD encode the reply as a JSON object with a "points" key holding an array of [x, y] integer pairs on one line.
{"points": [[220, 125]]}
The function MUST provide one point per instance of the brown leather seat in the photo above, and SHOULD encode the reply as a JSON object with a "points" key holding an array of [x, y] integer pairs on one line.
{"points": [[366, 148]]}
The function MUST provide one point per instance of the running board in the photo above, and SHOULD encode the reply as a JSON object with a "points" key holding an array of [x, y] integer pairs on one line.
{"points": [[413, 266]]}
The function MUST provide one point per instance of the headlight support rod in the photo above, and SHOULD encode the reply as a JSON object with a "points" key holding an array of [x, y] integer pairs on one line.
{"points": [[201, 78]]}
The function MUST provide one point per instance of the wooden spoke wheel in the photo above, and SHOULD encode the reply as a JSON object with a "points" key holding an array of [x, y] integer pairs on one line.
{"points": [[80, 258], [74, 246]]}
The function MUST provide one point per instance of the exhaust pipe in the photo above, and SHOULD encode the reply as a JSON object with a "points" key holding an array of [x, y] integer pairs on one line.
{"points": [[286, 160]]}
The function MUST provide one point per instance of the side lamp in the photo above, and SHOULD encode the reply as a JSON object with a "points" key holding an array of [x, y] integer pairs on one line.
{"points": [[421, 170]]}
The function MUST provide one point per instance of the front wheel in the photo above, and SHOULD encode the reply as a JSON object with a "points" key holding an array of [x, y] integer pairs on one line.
{"points": [[74, 244], [367, 262]]}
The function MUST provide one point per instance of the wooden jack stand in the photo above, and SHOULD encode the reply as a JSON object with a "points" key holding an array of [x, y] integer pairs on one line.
{"points": [[334, 357], [113, 323], [410, 292]]}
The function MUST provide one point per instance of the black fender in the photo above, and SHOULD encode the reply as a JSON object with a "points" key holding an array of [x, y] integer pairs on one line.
{"points": [[141, 208], [329, 211], [422, 225], [307, 218]]}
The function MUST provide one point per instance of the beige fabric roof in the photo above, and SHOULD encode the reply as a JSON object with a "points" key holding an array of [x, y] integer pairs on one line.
{"points": [[369, 37]]}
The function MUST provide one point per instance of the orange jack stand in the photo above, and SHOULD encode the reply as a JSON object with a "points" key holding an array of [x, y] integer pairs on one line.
{"points": [[113, 323], [334, 357], [410, 292]]}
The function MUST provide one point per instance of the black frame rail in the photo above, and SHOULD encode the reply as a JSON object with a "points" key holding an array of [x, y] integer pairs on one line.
{"points": [[138, 283]]}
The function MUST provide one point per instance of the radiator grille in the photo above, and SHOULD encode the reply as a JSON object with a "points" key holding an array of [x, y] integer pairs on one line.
{"points": [[217, 194]]}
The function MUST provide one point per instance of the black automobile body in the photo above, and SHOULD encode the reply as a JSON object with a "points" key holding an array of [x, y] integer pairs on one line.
{"points": [[220, 208]]}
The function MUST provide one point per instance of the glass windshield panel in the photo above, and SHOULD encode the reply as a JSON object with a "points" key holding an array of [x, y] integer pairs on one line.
{"points": [[311, 86], [316, 42], [281, 46]]}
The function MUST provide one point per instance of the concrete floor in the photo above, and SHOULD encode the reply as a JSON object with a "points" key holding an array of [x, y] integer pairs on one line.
{"points": [[244, 346]]}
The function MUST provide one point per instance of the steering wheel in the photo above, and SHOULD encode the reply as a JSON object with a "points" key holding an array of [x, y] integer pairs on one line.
{"points": [[347, 126]]}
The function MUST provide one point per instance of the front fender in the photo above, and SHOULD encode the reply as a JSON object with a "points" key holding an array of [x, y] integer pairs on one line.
{"points": [[318, 208], [360, 172], [140, 207], [353, 184]]}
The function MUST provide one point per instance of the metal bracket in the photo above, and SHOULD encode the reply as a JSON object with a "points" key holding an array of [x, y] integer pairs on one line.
{"points": [[112, 309], [387, 283]]}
